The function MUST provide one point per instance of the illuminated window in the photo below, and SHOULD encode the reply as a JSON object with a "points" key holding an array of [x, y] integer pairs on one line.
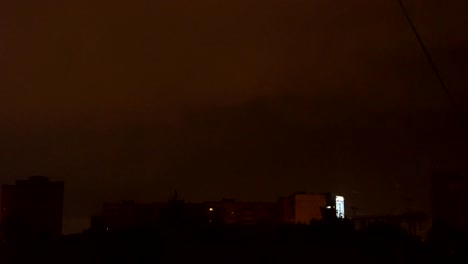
{"points": [[340, 212], [211, 209]]}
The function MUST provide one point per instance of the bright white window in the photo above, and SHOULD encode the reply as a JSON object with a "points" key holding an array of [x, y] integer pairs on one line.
{"points": [[340, 213]]}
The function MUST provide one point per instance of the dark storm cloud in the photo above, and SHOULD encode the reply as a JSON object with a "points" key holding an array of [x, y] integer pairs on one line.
{"points": [[249, 99]]}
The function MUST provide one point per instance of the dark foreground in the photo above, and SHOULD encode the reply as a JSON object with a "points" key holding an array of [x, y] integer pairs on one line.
{"points": [[287, 244]]}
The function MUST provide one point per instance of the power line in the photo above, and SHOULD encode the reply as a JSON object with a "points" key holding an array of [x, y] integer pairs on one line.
{"points": [[434, 68]]}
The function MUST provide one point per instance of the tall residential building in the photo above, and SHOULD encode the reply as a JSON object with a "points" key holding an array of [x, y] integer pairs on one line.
{"points": [[32, 208]]}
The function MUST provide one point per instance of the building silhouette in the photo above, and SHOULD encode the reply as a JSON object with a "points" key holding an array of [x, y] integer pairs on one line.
{"points": [[302, 207], [298, 208], [449, 196], [230, 211], [128, 214], [417, 224], [32, 209]]}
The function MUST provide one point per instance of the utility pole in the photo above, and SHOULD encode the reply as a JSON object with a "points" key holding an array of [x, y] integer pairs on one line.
{"points": [[434, 68]]}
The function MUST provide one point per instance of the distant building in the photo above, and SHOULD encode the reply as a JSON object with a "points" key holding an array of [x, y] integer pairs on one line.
{"points": [[302, 207], [449, 195], [294, 209], [229, 211], [416, 224], [32, 208], [128, 214]]}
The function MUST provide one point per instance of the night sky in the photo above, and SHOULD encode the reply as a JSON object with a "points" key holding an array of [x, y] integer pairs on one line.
{"points": [[231, 98]]}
